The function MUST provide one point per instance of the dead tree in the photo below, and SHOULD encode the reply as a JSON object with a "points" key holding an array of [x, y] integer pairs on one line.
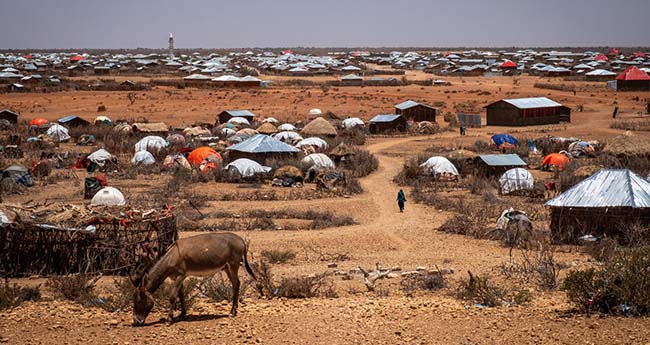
{"points": [[369, 278]]}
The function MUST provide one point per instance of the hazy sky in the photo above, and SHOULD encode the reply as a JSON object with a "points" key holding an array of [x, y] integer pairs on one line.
{"points": [[325, 23]]}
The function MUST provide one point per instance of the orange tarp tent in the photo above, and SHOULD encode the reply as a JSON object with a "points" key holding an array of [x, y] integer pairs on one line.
{"points": [[197, 156], [38, 122], [557, 159]]}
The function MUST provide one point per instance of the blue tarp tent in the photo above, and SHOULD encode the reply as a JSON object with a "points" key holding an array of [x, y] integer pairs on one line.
{"points": [[500, 139]]}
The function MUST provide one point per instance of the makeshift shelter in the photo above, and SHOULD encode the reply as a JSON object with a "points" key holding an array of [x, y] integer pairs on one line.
{"points": [[498, 164], [318, 161], [353, 122], [108, 196], [609, 203], [261, 147], [226, 115], [176, 161], [504, 140], [151, 142], [143, 157], [439, 166], [415, 111], [37, 122], [289, 173], [508, 65], [271, 120], [633, 79], [288, 137], [18, 174], [267, 128], [599, 75], [319, 127], [152, 127], [315, 142], [58, 133], [100, 157], [387, 123], [102, 120], [314, 113], [73, 121], [286, 127], [9, 115], [175, 139], [245, 167], [241, 121], [341, 152], [515, 180], [198, 155], [558, 160], [525, 112]]}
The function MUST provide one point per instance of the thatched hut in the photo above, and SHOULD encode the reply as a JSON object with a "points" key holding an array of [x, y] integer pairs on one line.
{"points": [[319, 127], [609, 203], [267, 128]]}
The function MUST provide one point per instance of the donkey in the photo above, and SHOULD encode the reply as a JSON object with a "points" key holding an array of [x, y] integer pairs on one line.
{"points": [[201, 255]]}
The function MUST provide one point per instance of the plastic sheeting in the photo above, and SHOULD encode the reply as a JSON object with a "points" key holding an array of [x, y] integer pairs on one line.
{"points": [[143, 157], [319, 161], [100, 156], [353, 122], [152, 142], [287, 127], [313, 141], [516, 179], [108, 196], [439, 165], [247, 168], [239, 120], [58, 133], [500, 139]]}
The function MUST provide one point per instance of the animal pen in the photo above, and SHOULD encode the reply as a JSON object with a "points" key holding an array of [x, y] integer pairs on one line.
{"points": [[112, 241]]}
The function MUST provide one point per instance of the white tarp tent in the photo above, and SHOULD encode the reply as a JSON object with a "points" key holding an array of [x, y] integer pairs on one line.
{"points": [[143, 157], [108, 196], [247, 167], [437, 165], [313, 141], [287, 127], [287, 137], [58, 132], [100, 157], [152, 142], [353, 122], [516, 179], [239, 120], [319, 161]]}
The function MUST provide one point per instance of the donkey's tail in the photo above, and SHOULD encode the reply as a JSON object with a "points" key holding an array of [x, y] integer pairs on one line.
{"points": [[246, 265]]}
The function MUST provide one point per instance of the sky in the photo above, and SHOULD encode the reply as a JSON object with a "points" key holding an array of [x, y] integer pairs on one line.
{"points": [[114, 24]]}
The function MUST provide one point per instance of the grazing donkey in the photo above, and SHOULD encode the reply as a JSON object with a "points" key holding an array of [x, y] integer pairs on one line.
{"points": [[201, 255]]}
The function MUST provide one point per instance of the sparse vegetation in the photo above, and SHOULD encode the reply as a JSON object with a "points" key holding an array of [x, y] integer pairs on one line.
{"points": [[430, 281], [278, 256], [12, 295]]}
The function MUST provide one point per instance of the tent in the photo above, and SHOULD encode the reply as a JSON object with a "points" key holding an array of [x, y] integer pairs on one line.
{"points": [[353, 122], [287, 137], [504, 140], [313, 141], [438, 165], [319, 127], [38, 122], [508, 64], [100, 157], [246, 132], [143, 157], [228, 131], [239, 121], [246, 167], [102, 120], [197, 156], [176, 160], [18, 174], [152, 142], [287, 127], [516, 179], [108, 196], [267, 128], [314, 113], [271, 120], [319, 161], [175, 139], [58, 132], [556, 159]]}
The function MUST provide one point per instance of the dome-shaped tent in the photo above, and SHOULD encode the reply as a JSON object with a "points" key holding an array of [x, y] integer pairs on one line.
{"points": [[439, 165], [100, 157], [516, 179], [143, 157], [267, 128], [319, 161], [38, 122], [314, 113], [58, 132], [313, 141], [108, 196], [555, 159], [287, 137], [239, 121], [353, 122], [287, 127], [197, 156], [102, 120], [151, 142], [247, 167]]}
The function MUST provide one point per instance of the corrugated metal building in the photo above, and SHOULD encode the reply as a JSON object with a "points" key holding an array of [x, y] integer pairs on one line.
{"points": [[525, 112], [608, 203], [226, 115], [8, 115], [633, 79], [498, 164], [261, 147], [384, 123], [73, 121], [415, 111]]}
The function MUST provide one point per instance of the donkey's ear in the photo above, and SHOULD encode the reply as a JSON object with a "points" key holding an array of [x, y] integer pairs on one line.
{"points": [[143, 283]]}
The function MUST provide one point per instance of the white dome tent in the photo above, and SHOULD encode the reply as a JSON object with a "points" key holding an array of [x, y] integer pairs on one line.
{"points": [[287, 137], [247, 167], [100, 157], [108, 196], [272, 120], [152, 142], [287, 127], [319, 161], [58, 132], [314, 113], [313, 141], [228, 132], [353, 122], [516, 179], [143, 157], [239, 121], [438, 165]]}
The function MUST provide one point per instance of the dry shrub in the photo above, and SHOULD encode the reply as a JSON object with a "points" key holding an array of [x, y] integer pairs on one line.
{"points": [[353, 136], [481, 291], [7, 187], [602, 250], [539, 267], [619, 286], [218, 289], [264, 282], [77, 288], [361, 163], [316, 285], [430, 281], [631, 124], [278, 256], [12, 296], [411, 171], [481, 146]]}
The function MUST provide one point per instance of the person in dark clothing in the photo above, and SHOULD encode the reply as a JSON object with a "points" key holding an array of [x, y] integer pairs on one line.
{"points": [[401, 199]]}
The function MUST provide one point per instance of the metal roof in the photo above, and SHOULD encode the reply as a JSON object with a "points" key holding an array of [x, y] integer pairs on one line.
{"points": [[502, 160], [533, 102], [67, 118], [260, 143], [406, 104], [385, 118], [607, 188], [239, 113]]}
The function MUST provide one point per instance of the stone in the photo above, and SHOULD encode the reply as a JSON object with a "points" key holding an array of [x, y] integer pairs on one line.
{"points": [[332, 265]]}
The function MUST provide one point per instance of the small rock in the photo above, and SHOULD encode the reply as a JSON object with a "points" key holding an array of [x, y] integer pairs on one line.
{"points": [[114, 322], [332, 265], [420, 268]]}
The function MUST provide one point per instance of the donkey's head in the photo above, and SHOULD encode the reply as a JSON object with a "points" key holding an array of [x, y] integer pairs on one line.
{"points": [[142, 301]]}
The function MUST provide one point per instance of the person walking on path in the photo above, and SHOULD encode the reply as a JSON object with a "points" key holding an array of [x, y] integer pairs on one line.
{"points": [[401, 199]]}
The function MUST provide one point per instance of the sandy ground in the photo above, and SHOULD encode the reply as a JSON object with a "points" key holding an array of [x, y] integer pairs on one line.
{"points": [[382, 235]]}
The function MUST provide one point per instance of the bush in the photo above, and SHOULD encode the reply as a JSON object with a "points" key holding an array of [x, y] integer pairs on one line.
{"points": [[75, 288], [218, 289], [278, 256], [306, 287], [619, 286], [362, 163], [480, 290], [539, 267], [430, 281], [12, 296], [411, 171]]}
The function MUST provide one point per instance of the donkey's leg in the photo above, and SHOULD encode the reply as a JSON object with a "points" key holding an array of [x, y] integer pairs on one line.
{"points": [[181, 298], [233, 275], [176, 289]]}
